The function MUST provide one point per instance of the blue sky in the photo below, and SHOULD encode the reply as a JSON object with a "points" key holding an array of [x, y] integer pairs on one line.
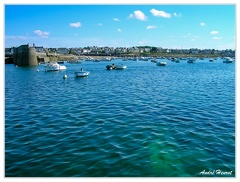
{"points": [[168, 26]]}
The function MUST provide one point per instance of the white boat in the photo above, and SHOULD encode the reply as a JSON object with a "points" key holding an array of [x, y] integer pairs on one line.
{"points": [[228, 60], [53, 66], [120, 67], [161, 64], [62, 67], [191, 60], [81, 73]]}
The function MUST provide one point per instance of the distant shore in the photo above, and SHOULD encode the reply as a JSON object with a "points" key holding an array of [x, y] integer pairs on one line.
{"points": [[82, 57], [70, 57]]}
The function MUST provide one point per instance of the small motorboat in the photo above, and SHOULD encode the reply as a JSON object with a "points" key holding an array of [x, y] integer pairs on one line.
{"points": [[53, 66], [161, 64], [228, 60], [81, 73]]}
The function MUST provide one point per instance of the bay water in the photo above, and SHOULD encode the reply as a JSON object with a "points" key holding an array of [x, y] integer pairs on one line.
{"points": [[144, 121]]}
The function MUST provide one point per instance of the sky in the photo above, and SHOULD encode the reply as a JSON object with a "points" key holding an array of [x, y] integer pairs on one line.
{"points": [[175, 26]]}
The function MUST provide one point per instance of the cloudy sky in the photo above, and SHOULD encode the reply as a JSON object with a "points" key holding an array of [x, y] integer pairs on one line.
{"points": [[168, 26]]}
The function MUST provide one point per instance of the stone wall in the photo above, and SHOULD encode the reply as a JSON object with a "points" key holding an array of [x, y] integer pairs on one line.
{"points": [[25, 56]]}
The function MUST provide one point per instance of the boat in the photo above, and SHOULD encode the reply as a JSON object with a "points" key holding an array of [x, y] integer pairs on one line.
{"points": [[96, 60], [106, 59], [60, 62], [110, 67], [154, 60], [211, 60], [120, 67], [125, 59], [177, 61], [161, 64], [81, 73], [227, 60], [191, 60], [53, 66]]}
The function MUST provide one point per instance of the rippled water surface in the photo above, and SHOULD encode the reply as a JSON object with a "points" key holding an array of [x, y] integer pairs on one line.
{"points": [[145, 121]]}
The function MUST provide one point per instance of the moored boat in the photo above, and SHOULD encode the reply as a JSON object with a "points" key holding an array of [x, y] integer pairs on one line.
{"points": [[120, 67], [81, 73], [177, 61], [191, 60], [154, 60], [161, 64], [228, 60], [53, 66], [110, 67]]}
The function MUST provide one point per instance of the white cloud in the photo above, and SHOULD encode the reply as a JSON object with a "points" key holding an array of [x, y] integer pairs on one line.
{"points": [[119, 30], [116, 19], [160, 13], [76, 25], [214, 32], [41, 33], [193, 39], [202, 24], [138, 15], [100, 24], [177, 15], [217, 38], [151, 27]]}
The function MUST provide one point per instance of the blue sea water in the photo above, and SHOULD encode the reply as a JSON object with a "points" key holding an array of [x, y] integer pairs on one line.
{"points": [[144, 121]]}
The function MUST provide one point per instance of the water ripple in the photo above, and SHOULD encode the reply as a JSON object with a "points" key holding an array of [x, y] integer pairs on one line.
{"points": [[174, 121]]}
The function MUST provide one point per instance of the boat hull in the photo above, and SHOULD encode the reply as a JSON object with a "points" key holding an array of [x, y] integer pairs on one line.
{"points": [[81, 74], [120, 67]]}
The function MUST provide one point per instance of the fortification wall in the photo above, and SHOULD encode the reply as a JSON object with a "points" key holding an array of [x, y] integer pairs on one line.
{"points": [[25, 56], [32, 58]]}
